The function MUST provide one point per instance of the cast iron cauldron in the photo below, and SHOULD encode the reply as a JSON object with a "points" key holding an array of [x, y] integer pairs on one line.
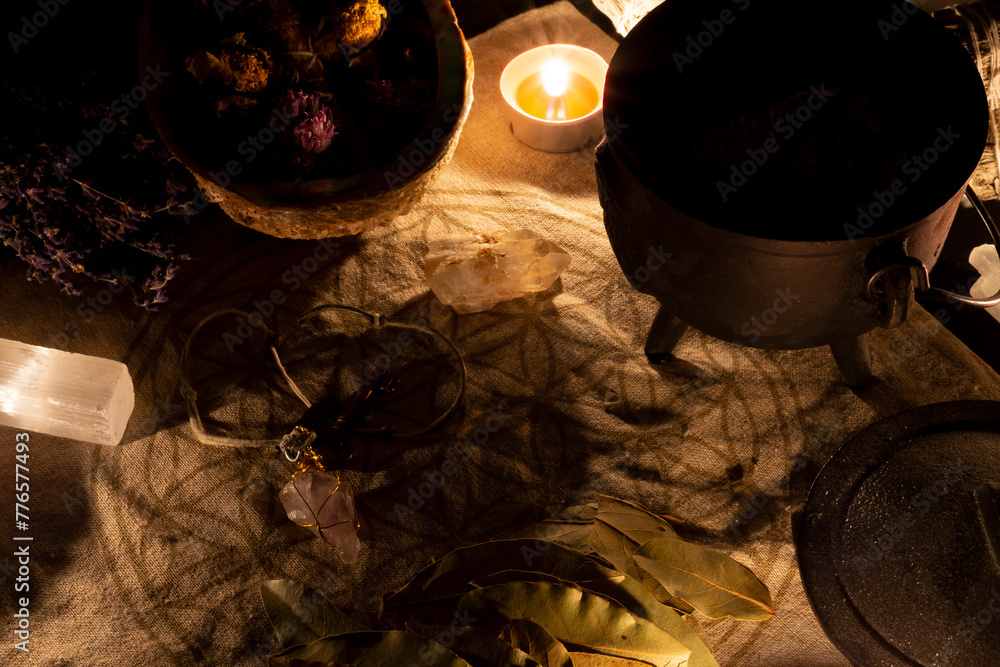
{"points": [[834, 257]]}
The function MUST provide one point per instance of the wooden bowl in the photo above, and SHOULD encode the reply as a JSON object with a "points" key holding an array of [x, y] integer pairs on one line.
{"points": [[313, 208]]}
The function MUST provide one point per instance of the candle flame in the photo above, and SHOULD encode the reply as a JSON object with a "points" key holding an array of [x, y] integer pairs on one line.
{"points": [[555, 78], [556, 109]]}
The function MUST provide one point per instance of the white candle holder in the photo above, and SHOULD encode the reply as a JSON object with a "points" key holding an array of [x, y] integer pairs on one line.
{"points": [[554, 136]]}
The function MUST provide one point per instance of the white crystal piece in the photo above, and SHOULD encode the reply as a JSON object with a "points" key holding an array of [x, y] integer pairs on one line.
{"points": [[64, 394], [624, 14], [986, 260], [324, 503], [474, 272]]}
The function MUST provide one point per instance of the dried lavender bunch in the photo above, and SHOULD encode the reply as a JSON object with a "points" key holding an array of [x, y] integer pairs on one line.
{"points": [[110, 216]]}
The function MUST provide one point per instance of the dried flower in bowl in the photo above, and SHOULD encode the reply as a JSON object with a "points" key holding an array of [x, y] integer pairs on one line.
{"points": [[243, 70], [314, 128], [361, 25], [384, 87]]}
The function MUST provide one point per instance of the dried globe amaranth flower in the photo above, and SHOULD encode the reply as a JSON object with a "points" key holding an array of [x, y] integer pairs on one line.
{"points": [[315, 129], [361, 25], [241, 67]]}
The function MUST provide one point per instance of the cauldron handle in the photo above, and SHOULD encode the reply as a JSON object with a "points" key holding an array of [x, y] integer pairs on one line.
{"points": [[945, 295], [890, 285]]}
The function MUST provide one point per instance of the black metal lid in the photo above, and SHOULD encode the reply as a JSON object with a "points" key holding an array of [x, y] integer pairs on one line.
{"points": [[898, 540]]}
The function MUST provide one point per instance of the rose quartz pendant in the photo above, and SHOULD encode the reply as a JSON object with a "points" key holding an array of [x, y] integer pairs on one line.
{"points": [[324, 503]]}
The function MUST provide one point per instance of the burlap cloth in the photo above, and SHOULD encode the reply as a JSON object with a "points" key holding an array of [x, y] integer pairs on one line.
{"points": [[151, 553]]}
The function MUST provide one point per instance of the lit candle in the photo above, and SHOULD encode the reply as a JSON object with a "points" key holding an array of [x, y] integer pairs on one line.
{"points": [[553, 96]]}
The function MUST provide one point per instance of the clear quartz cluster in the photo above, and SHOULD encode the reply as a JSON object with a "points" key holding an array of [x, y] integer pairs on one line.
{"points": [[985, 259], [624, 14], [324, 503], [474, 272], [64, 394]]}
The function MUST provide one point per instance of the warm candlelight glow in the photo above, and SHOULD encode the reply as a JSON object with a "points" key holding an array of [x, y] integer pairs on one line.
{"points": [[552, 97], [578, 96], [555, 78]]}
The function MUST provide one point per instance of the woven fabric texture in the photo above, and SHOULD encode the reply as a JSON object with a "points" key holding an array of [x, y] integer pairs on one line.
{"points": [[151, 553]]}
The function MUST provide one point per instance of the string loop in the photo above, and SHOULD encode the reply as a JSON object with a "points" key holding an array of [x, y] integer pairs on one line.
{"points": [[293, 443]]}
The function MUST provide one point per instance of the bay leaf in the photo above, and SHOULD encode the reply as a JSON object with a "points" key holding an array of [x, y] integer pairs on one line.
{"points": [[619, 531], [581, 512], [598, 660], [698, 628], [300, 614], [509, 576], [575, 617], [616, 547], [574, 534], [537, 642], [448, 577], [715, 584], [371, 649], [478, 648], [632, 595], [632, 519]]}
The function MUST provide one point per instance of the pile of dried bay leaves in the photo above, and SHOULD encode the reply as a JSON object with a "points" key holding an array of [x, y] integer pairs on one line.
{"points": [[603, 585]]}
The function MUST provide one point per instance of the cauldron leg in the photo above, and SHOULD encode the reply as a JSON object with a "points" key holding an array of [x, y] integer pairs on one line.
{"points": [[853, 360], [663, 336]]}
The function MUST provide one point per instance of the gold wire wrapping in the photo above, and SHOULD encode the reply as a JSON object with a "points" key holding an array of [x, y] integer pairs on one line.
{"points": [[312, 462]]}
